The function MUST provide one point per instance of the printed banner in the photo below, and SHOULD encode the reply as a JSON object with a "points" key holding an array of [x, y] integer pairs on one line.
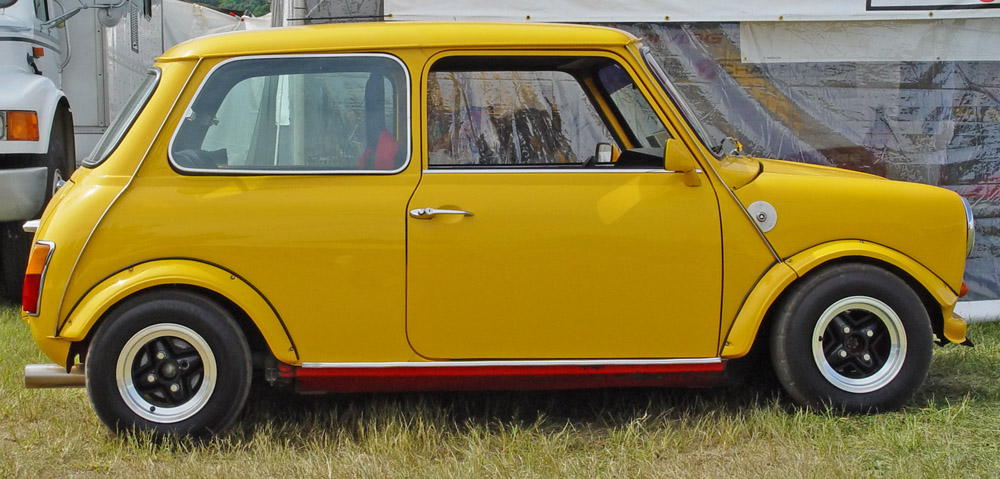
{"points": [[613, 11]]}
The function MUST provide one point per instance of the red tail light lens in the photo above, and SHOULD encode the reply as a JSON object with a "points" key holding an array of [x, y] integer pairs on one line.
{"points": [[37, 262]]}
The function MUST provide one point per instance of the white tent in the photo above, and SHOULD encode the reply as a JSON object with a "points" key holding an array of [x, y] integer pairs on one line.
{"points": [[184, 21]]}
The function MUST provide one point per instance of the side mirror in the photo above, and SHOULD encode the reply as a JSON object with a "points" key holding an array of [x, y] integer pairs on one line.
{"points": [[607, 153], [677, 157]]}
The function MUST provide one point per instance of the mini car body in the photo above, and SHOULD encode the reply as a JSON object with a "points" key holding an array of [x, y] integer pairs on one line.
{"points": [[385, 207]]}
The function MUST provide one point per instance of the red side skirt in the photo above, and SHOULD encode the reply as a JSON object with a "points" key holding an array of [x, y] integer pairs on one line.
{"points": [[495, 378]]}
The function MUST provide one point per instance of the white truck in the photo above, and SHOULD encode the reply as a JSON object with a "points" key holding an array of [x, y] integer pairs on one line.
{"points": [[61, 80]]}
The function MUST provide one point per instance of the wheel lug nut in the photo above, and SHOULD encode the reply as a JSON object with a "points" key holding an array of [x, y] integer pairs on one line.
{"points": [[843, 354], [160, 355], [151, 378], [174, 388], [870, 333], [847, 330], [868, 357]]}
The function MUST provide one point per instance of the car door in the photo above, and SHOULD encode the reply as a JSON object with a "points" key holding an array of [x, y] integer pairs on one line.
{"points": [[523, 242]]}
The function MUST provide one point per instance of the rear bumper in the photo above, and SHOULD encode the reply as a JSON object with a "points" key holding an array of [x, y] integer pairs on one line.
{"points": [[22, 193], [954, 329]]}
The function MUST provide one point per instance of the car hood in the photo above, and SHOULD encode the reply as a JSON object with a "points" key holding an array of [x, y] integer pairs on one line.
{"points": [[801, 169]]}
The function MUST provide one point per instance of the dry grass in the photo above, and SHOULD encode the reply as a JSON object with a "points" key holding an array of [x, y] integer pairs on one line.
{"points": [[952, 428]]}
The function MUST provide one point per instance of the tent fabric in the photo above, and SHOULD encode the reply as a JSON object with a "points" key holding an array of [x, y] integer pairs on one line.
{"points": [[933, 122], [183, 21]]}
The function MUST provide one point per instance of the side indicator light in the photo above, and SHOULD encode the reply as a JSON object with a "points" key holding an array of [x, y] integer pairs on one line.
{"points": [[964, 290], [22, 126], [31, 294]]}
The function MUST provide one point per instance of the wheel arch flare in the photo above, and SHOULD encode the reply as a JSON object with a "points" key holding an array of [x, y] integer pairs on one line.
{"points": [[256, 315], [937, 297]]}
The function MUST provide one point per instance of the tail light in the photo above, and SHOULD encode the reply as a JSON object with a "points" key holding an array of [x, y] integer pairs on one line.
{"points": [[31, 295]]}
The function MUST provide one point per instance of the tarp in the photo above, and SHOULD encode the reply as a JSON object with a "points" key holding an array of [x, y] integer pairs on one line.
{"points": [[603, 11], [934, 122], [183, 21]]}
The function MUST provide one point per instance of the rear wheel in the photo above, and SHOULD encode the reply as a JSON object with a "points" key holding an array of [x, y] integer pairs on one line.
{"points": [[855, 337], [169, 362]]}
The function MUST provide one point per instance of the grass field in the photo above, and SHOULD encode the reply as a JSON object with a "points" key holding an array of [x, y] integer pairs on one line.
{"points": [[951, 429]]}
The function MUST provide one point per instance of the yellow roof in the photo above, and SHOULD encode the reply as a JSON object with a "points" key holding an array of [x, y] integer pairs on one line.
{"points": [[382, 36]]}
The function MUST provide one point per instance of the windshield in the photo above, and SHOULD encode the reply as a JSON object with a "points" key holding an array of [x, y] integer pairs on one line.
{"points": [[703, 134], [116, 131]]}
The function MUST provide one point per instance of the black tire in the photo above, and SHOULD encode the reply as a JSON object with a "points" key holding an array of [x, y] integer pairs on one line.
{"points": [[15, 244], [854, 337], [169, 362]]}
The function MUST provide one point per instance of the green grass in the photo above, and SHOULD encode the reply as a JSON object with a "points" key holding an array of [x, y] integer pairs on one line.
{"points": [[951, 429]]}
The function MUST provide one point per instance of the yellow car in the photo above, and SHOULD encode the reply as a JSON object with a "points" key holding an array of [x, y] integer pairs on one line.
{"points": [[386, 207]]}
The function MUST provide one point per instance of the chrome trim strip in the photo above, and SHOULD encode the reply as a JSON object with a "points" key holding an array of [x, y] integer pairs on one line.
{"points": [[970, 227], [530, 363], [51, 46], [253, 172], [493, 170]]}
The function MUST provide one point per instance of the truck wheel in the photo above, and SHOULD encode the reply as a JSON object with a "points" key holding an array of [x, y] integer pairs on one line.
{"points": [[168, 362], [15, 244], [854, 337]]}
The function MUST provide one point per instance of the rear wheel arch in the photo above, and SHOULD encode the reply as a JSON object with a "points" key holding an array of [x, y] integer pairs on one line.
{"points": [[255, 339], [256, 317]]}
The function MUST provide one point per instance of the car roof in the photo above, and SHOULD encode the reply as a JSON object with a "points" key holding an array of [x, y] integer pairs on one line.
{"points": [[383, 36]]}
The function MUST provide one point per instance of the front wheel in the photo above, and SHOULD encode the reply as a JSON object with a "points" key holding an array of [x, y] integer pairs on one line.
{"points": [[170, 363], [854, 337]]}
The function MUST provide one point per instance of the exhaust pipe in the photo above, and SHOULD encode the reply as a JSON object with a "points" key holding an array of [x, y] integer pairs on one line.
{"points": [[53, 376]]}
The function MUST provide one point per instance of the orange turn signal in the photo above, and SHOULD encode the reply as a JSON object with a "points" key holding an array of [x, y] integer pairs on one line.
{"points": [[22, 126], [964, 290], [37, 262], [37, 52]]}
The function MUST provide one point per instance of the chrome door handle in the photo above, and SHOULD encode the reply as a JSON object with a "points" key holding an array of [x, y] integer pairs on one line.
{"points": [[428, 213]]}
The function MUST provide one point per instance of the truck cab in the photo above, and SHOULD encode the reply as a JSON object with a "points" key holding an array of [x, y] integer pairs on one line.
{"points": [[36, 126]]}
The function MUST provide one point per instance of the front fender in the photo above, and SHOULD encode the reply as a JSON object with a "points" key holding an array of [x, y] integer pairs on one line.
{"points": [[115, 288], [777, 279]]}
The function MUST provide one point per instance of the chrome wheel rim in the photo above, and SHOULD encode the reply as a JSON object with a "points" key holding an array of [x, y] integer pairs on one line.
{"points": [[859, 344], [166, 373]]}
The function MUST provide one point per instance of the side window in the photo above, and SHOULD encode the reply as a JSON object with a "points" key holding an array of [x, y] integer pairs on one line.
{"points": [[552, 112], [298, 114], [513, 118], [42, 10], [633, 107]]}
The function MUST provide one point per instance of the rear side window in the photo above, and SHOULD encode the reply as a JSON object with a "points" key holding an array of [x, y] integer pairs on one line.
{"points": [[123, 122], [306, 114]]}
